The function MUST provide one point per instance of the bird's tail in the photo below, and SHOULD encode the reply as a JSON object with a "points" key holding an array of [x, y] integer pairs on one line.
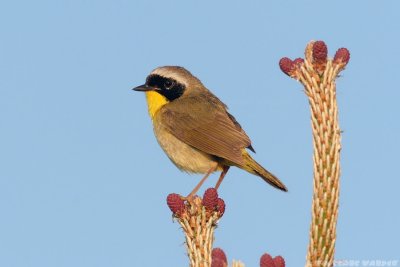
{"points": [[253, 167]]}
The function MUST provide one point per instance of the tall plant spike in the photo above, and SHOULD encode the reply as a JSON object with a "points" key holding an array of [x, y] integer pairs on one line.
{"points": [[318, 73]]}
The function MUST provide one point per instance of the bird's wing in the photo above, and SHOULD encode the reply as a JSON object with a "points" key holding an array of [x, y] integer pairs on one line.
{"points": [[207, 126]]}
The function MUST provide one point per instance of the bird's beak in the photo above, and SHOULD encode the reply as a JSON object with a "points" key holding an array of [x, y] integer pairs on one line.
{"points": [[144, 88]]}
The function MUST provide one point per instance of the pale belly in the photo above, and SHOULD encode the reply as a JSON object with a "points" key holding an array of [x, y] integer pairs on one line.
{"points": [[185, 157]]}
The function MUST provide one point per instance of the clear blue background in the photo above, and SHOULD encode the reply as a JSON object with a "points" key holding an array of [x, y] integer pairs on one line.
{"points": [[82, 179]]}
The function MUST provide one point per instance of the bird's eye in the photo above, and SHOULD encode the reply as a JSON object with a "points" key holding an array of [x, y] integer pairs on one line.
{"points": [[168, 84]]}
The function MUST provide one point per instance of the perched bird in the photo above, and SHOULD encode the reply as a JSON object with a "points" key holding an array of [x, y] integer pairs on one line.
{"points": [[195, 129]]}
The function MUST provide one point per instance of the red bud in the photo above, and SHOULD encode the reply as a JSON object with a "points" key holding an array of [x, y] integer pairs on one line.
{"points": [[286, 65], [175, 203], [279, 261], [218, 253], [298, 61], [342, 56], [319, 51], [210, 199], [266, 261], [221, 206]]}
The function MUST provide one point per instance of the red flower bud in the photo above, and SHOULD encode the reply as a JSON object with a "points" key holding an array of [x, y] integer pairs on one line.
{"points": [[286, 65], [175, 203], [342, 56], [279, 261], [298, 61], [210, 199], [266, 261], [221, 206], [218, 253], [320, 52]]}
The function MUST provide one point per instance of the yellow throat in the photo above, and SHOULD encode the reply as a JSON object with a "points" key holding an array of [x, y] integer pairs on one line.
{"points": [[155, 101]]}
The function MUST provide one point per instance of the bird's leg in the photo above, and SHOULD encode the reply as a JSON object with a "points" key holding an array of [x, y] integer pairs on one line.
{"points": [[194, 191], [221, 177]]}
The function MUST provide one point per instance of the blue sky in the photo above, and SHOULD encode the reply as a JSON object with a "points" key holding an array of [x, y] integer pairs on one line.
{"points": [[82, 179]]}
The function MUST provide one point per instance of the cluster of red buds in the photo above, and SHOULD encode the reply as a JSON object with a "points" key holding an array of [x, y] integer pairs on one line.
{"points": [[289, 66], [219, 259], [210, 201], [317, 57], [266, 260]]}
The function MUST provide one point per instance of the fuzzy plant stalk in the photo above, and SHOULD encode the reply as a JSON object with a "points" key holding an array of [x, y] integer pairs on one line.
{"points": [[198, 218], [318, 73]]}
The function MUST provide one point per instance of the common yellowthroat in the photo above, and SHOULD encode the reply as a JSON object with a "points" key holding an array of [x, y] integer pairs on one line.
{"points": [[195, 129]]}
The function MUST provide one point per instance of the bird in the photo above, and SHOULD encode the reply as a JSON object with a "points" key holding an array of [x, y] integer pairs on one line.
{"points": [[195, 129]]}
